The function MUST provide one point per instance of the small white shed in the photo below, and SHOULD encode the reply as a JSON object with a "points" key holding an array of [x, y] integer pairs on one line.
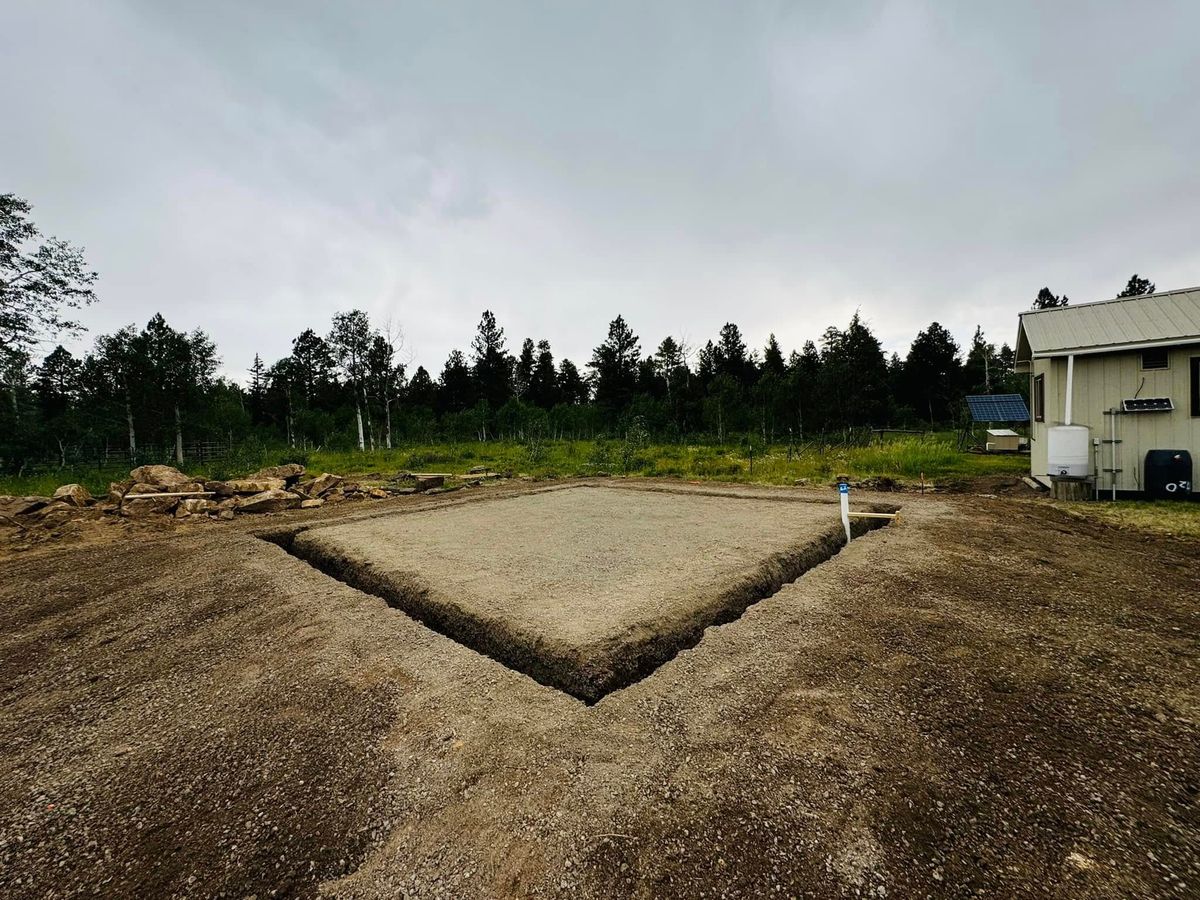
{"points": [[1125, 374]]}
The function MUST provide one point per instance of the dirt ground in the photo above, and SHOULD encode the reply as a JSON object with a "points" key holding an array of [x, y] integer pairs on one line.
{"points": [[991, 698], [585, 588]]}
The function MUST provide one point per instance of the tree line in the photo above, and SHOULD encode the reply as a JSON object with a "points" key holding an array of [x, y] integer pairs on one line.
{"points": [[145, 390]]}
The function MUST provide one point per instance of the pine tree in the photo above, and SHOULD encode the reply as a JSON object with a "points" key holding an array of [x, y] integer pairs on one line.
{"points": [[491, 366], [981, 369], [523, 371], [543, 385], [456, 388], [731, 359], [421, 392], [1137, 287], [1046, 300], [572, 388], [614, 366], [933, 375], [854, 375], [258, 390]]}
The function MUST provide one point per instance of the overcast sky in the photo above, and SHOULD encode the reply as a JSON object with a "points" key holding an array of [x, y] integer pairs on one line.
{"points": [[251, 168]]}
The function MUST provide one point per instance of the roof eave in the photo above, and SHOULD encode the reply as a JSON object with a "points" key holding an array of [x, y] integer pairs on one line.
{"points": [[1117, 348]]}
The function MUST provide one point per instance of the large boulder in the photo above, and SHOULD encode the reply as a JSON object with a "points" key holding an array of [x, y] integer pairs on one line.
{"points": [[255, 485], [24, 506], [142, 488], [118, 489], [73, 494], [269, 501], [319, 486], [289, 472], [149, 506], [194, 505], [57, 513], [166, 476]]}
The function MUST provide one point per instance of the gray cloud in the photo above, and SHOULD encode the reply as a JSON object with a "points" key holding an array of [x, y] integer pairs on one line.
{"points": [[253, 168]]}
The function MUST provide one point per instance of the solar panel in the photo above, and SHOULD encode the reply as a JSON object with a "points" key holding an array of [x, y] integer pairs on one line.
{"points": [[1148, 404], [998, 408]]}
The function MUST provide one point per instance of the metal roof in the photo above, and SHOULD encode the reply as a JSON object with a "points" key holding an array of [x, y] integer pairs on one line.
{"points": [[998, 408], [1172, 317]]}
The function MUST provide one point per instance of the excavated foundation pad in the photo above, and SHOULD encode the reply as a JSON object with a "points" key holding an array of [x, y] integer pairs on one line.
{"points": [[586, 589]]}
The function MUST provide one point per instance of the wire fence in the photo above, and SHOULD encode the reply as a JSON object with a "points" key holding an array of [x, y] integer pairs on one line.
{"points": [[115, 457]]}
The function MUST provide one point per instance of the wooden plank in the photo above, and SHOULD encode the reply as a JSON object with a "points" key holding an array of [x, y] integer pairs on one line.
{"points": [[874, 515]]}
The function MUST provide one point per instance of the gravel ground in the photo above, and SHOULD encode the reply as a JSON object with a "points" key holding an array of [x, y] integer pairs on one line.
{"points": [[586, 589], [991, 698]]}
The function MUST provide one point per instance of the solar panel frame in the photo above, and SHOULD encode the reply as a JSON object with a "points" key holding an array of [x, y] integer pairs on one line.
{"points": [[998, 408]]}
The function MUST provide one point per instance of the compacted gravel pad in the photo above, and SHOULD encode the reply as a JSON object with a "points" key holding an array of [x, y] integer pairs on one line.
{"points": [[586, 589]]}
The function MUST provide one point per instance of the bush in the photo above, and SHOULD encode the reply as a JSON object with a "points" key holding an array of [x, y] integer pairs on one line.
{"points": [[293, 456], [600, 459]]}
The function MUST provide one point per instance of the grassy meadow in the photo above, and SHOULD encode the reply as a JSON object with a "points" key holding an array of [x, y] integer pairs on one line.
{"points": [[904, 459]]}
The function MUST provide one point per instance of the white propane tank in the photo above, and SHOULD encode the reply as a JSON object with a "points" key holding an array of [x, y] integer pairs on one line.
{"points": [[1068, 451]]}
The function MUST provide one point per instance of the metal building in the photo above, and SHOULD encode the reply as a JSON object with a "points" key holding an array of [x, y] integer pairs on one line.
{"points": [[1111, 383]]}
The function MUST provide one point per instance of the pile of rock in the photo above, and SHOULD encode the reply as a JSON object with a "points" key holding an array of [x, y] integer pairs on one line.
{"points": [[166, 490], [48, 512]]}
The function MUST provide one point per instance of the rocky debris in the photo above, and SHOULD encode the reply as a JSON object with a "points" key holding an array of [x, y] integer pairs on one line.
{"points": [[148, 506], [142, 487], [477, 470], [425, 482], [54, 515], [118, 489], [155, 490], [165, 476], [289, 472], [219, 488], [190, 506], [272, 500], [23, 506], [74, 494], [319, 486], [254, 485]]}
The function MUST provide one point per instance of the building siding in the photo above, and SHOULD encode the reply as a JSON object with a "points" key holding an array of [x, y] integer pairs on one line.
{"points": [[1102, 381]]}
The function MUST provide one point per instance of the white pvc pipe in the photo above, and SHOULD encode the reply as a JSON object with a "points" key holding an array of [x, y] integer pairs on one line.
{"points": [[1070, 387]]}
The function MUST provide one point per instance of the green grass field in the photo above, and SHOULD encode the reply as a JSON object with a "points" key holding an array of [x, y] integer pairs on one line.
{"points": [[1156, 516], [903, 459]]}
